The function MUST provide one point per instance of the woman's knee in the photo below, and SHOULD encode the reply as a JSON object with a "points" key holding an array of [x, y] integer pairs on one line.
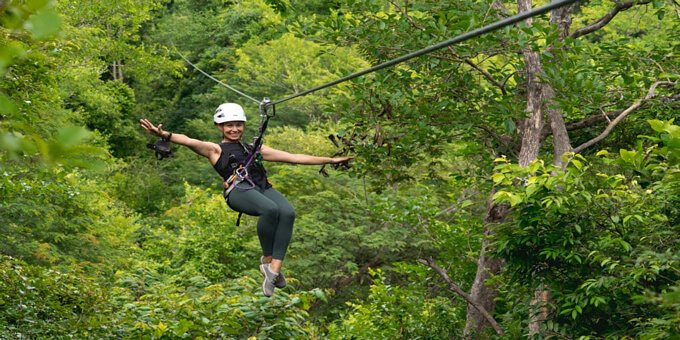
{"points": [[270, 210], [287, 213]]}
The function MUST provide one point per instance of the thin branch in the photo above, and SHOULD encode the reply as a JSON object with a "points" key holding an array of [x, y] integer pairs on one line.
{"points": [[486, 74], [414, 24], [622, 116], [453, 286], [603, 21], [454, 207], [404, 11], [606, 116], [503, 11]]}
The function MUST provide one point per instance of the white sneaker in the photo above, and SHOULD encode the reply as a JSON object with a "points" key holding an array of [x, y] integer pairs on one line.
{"points": [[269, 279], [280, 280]]}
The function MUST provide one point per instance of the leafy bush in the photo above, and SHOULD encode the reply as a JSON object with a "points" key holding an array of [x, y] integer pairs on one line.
{"points": [[199, 238], [599, 240], [233, 309], [42, 303], [399, 311]]}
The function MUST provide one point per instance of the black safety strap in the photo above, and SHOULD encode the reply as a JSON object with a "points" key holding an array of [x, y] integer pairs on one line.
{"points": [[264, 106]]}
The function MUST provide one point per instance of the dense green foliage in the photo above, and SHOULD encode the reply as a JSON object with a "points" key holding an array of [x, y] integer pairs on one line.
{"points": [[100, 240], [601, 235]]}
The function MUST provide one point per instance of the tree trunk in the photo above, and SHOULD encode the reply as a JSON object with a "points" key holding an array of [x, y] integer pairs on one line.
{"points": [[538, 309], [532, 126], [117, 70], [487, 266], [560, 17], [539, 98], [561, 143]]}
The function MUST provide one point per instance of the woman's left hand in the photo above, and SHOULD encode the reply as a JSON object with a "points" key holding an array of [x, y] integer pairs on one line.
{"points": [[340, 160]]}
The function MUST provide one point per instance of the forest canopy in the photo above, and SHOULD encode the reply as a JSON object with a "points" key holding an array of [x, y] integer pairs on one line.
{"points": [[521, 184]]}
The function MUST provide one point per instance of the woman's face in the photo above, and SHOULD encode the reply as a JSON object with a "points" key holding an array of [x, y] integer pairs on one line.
{"points": [[231, 131]]}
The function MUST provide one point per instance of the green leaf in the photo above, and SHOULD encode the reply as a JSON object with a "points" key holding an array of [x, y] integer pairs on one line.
{"points": [[72, 135], [6, 105], [509, 126], [660, 14], [627, 155], [43, 24], [465, 203], [657, 125], [514, 199]]}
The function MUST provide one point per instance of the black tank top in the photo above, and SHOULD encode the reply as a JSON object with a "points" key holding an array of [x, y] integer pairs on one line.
{"points": [[235, 154]]}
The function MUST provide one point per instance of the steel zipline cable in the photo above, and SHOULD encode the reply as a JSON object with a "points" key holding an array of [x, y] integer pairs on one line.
{"points": [[217, 80], [460, 38]]}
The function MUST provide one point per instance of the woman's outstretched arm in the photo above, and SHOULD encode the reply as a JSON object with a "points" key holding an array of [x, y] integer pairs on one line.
{"points": [[206, 149], [273, 155]]}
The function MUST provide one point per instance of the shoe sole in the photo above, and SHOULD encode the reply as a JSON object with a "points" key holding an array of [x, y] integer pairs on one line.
{"points": [[264, 292]]}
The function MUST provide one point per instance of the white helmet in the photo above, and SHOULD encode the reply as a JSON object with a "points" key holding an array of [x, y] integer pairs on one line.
{"points": [[229, 112]]}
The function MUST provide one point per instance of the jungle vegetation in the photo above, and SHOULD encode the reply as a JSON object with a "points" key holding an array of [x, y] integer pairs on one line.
{"points": [[522, 184]]}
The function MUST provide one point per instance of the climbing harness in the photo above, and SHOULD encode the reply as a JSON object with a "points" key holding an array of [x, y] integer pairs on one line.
{"points": [[240, 174], [161, 148]]}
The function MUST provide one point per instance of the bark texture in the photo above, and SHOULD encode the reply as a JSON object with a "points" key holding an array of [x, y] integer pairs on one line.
{"points": [[487, 266], [532, 126]]}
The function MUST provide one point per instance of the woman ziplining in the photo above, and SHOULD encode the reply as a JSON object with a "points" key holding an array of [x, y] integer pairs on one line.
{"points": [[247, 189]]}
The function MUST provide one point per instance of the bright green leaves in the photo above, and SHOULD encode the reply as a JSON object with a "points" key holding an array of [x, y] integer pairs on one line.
{"points": [[37, 17], [39, 303], [393, 309], [628, 156], [597, 233], [43, 303], [69, 147], [289, 65], [43, 24], [669, 136], [9, 52]]}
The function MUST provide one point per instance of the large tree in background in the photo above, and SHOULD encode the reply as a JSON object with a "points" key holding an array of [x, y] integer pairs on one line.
{"points": [[544, 110], [549, 88]]}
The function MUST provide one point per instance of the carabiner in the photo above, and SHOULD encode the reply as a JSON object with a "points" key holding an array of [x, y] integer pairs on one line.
{"points": [[264, 105], [241, 173]]}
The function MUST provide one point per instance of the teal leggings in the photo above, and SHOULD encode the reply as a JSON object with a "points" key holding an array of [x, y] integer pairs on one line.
{"points": [[275, 225]]}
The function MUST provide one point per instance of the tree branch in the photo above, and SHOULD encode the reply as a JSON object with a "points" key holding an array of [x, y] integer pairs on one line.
{"points": [[430, 262], [606, 116], [404, 11], [487, 75], [622, 116], [603, 21]]}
